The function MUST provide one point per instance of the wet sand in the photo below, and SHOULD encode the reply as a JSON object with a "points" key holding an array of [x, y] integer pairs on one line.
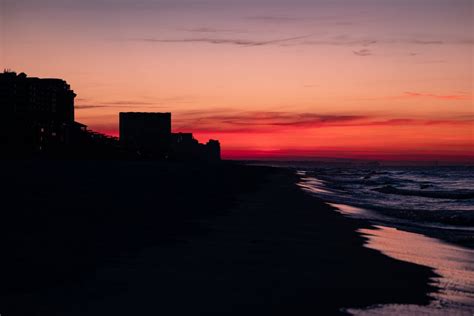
{"points": [[453, 264], [143, 238]]}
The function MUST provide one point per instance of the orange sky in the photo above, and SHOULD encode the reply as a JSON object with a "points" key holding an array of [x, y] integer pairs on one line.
{"points": [[362, 78]]}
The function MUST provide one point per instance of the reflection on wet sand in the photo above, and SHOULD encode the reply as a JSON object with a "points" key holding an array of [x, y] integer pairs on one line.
{"points": [[453, 264]]}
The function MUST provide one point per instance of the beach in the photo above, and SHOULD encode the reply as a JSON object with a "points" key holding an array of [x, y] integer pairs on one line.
{"points": [[148, 238]]}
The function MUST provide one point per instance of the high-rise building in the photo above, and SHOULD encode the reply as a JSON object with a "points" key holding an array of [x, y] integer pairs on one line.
{"points": [[37, 118], [148, 134], [35, 113], [213, 150]]}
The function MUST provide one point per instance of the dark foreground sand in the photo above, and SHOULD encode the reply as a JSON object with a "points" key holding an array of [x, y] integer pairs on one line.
{"points": [[144, 238]]}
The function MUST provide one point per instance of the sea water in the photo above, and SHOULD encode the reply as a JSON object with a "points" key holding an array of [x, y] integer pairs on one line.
{"points": [[423, 215]]}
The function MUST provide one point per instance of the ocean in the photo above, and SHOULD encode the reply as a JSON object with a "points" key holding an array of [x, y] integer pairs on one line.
{"points": [[422, 195], [423, 215]]}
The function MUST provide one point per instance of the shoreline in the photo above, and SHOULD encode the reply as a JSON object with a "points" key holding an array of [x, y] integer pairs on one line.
{"points": [[456, 235], [453, 263], [460, 235], [224, 239]]}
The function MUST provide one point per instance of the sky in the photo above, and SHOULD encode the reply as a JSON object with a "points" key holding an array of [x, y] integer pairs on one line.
{"points": [[369, 79]]}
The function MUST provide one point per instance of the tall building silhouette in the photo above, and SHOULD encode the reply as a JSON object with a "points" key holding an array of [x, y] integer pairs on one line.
{"points": [[37, 119], [148, 134], [213, 150], [36, 114]]}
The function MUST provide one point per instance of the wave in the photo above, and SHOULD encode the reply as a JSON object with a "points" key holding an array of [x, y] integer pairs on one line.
{"points": [[454, 195], [443, 196]]}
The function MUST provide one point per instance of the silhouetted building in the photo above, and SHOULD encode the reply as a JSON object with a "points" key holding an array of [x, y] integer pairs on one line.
{"points": [[213, 150], [185, 139], [148, 134], [186, 147], [35, 114], [37, 118]]}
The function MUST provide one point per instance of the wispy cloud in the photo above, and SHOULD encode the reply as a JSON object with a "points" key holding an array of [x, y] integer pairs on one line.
{"points": [[267, 122], [228, 121], [88, 106], [342, 40], [279, 18], [424, 42], [437, 96], [84, 104], [212, 30], [346, 40], [309, 39], [256, 121], [454, 41], [117, 104], [422, 95], [362, 52], [227, 41], [128, 103]]}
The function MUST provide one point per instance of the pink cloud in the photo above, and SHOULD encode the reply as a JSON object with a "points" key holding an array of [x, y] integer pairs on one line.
{"points": [[268, 122], [437, 96], [261, 122]]}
